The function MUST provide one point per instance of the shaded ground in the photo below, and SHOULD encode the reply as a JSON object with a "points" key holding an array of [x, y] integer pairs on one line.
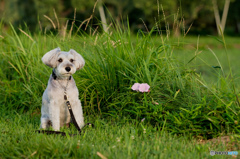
{"points": [[232, 142]]}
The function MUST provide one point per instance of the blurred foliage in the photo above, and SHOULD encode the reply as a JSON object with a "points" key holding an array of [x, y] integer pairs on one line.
{"points": [[197, 14]]}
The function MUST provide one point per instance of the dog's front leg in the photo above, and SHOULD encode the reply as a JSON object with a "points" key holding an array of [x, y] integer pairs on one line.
{"points": [[78, 113], [55, 115]]}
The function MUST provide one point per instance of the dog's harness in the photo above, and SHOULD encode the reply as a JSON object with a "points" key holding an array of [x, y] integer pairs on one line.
{"points": [[48, 132]]}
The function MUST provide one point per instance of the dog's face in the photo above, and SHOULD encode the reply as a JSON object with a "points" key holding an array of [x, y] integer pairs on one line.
{"points": [[65, 63]]}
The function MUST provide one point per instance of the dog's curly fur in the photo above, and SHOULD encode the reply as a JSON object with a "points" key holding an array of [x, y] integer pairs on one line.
{"points": [[54, 110]]}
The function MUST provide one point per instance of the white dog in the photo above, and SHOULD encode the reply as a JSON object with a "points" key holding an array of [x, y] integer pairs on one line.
{"points": [[54, 110]]}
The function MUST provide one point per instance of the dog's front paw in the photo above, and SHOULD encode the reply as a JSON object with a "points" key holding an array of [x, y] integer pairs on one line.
{"points": [[56, 126], [81, 123]]}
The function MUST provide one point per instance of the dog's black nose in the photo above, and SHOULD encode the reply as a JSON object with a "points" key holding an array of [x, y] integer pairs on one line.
{"points": [[68, 69]]}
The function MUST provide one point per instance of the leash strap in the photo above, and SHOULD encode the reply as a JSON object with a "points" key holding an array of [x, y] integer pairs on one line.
{"points": [[49, 132], [71, 113]]}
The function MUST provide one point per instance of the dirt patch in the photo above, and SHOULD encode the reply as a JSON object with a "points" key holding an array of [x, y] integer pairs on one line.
{"points": [[236, 46], [232, 142]]}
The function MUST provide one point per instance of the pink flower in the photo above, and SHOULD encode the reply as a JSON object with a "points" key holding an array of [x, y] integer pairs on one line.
{"points": [[144, 87], [135, 87]]}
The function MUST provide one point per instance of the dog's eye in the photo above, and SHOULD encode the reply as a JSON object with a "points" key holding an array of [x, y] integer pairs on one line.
{"points": [[60, 60], [71, 60]]}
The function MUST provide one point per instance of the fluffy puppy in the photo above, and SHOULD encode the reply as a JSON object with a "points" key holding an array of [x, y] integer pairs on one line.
{"points": [[54, 111]]}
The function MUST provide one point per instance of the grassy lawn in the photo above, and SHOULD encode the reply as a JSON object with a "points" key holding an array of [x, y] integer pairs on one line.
{"points": [[205, 62], [112, 138], [186, 48], [189, 104]]}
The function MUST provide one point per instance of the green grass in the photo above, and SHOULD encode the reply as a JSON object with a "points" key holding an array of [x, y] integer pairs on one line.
{"points": [[112, 138], [187, 100], [204, 63]]}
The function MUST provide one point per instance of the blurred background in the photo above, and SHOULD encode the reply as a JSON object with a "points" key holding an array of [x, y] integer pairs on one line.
{"points": [[202, 16]]}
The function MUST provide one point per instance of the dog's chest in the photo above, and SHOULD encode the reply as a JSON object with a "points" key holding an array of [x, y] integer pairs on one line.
{"points": [[69, 95], [57, 93]]}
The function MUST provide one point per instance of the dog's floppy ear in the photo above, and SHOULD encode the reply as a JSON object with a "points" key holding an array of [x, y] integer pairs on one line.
{"points": [[79, 59], [50, 58]]}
